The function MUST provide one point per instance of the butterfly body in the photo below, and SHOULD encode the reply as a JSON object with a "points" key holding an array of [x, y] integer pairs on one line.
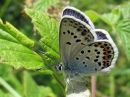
{"points": [[84, 49]]}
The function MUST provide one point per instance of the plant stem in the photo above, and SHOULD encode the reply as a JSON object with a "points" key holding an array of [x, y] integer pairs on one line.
{"points": [[8, 87], [93, 82]]}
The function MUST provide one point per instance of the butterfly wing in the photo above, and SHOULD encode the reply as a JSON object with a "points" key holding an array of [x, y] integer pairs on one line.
{"points": [[71, 11], [104, 35], [100, 55], [76, 31], [84, 49]]}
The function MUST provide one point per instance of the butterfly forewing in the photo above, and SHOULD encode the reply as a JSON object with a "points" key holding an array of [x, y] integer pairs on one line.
{"points": [[73, 12], [74, 35]]}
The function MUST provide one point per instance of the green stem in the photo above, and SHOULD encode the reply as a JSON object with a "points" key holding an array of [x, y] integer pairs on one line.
{"points": [[8, 87]]}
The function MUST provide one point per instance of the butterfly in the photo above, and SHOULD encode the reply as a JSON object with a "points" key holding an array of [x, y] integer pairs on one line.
{"points": [[84, 50]]}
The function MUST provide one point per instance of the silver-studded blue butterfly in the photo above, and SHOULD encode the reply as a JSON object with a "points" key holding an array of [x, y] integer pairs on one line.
{"points": [[84, 50]]}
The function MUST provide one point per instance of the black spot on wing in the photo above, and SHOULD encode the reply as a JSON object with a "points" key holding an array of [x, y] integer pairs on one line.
{"points": [[82, 52], [63, 32], [88, 58], [99, 63], [82, 44], [77, 58], [98, 52], [68, 32], [83, 62], [78, 40], [68, 43], [84, 32], [97, 56], [79, 29], [72, 33], [75, 36], [95, 60], [89, 51]]}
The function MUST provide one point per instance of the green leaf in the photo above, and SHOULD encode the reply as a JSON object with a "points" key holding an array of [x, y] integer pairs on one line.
{"points": [[31, 89], [7, 36], [11, 32], [125, 10], [111, 18], [14, 49], [6, 72], [126, 37], [9, 88], [18, 55], [51, 50], [108, 18], [44, 4], [46, 92], [45, 25], [48, 29], [123, 27], [2, 94], [119, 72], [94, 16]]}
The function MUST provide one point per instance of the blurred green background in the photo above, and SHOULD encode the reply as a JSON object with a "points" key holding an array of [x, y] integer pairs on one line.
{"points": [[32, 17]]}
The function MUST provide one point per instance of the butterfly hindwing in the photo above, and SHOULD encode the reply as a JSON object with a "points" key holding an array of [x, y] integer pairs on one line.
{"points": [[94, 57], [100, 55], [103, 35]]}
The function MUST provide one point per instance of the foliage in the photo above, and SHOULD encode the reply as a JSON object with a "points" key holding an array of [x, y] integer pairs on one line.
{"points": [[33, 46], [48, 30], [21, 56]]}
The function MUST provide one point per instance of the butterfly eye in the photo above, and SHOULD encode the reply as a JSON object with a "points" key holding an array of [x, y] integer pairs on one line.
{"points": [[59, 67]]}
